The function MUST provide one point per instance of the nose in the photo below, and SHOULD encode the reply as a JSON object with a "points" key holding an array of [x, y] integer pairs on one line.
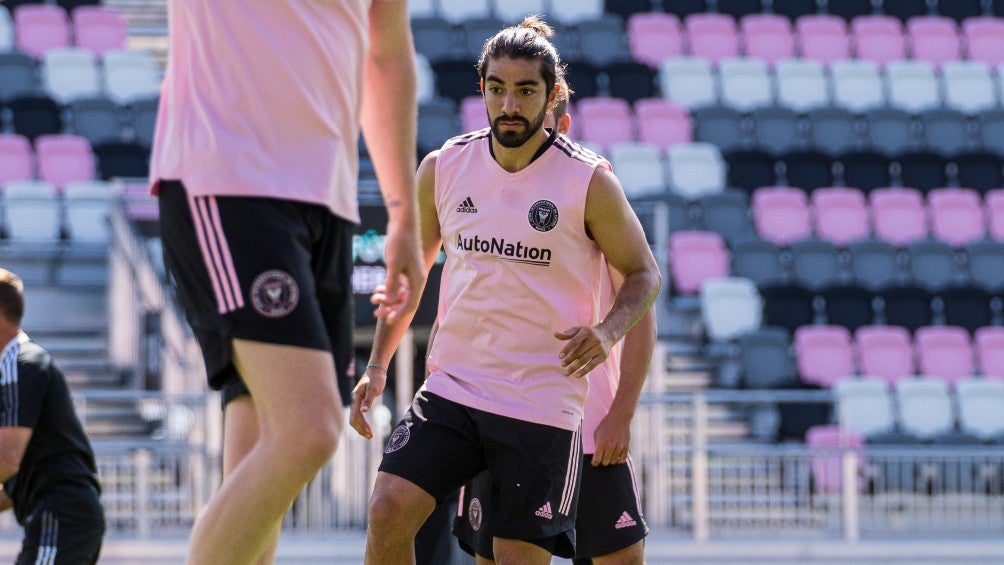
{"points": [[509, 103]]}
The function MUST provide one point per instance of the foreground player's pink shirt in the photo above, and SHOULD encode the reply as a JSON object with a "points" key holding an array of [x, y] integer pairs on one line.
{"points": [[603, 380], [519, 267], [262, 98]]}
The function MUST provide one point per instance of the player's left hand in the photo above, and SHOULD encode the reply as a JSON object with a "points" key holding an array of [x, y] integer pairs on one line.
{"points": [[613, 439], [587, 347]]}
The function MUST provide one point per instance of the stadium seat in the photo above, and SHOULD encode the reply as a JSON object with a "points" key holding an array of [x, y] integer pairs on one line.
{"points": [[767, 37], [932, 264], [99, 29], [968, 86], [426, 86], [625, 8], [750, 169], [688, 81], [475, 30], [730, 307], [986, 265], [572, 11], [663, 123], [912, 86], [40, 27], [823, 38], [582, 77], [758, 260], [864, 406], [639, 167], [35, 115], [884, 352], [907, 306], [728, 214], [422, 9], [777, 130], [457, 11], [925, 410], [840, 215], [131, 74], [850, 9], [794, 9], [824, 354], [630, 80], [605, 121], [966, 306], [923, 170], [866, 170], [71, 5], [96, 119], [126, 160], [991, 130], [649, 209], [745, 83], [982, 40], [781, 214], [63, 159], [438, 121], [816, 264], [436, 39], [874, 264], [946, 131], [603, 40], [88, 208], [18, 75], [878, 39], [739, 9], [17, 159], [994, 200], [514, 11], [827, 467], [905, 10], [725, 128], [801, 84], [849, 306], [69, 73], [711, 36], [981, 408], [898, 215], [989, 345], [934, 39], [6, 30], [960, 10], [654, 36], [956, 215], [696, 256], [695, 169], [857, 85], [891, 131], [789, 306], [808, 169], [833, 130], [32, 211], [944, 352], [683, 8], [142, 117], [978, 170], [766, 359]]}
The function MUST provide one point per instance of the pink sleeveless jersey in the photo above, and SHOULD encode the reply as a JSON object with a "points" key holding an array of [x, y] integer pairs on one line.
{"points": [[519, 267], [262, 99], [603, 380]]}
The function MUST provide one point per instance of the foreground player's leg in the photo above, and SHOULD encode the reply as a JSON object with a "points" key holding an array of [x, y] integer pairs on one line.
{"points": [[398, 509], [517, 552], [300, 419], [631, 555]]}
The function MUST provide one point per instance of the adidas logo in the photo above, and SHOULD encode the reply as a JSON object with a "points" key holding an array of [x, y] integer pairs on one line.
{"points": [[467, 206], [545, 511], [625, 521]]}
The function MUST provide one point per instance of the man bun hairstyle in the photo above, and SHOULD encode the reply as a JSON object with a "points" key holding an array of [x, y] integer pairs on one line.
{"points": [[529, 39]]}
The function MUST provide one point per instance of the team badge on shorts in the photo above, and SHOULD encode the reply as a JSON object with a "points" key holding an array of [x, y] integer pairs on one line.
{"points": [[474, 514], [274, 293], [543, 215], [398, 439]]}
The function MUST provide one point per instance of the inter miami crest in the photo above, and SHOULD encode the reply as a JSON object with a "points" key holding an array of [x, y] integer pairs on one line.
{"points": [[274, 293], [474, 514], [398, 439], [543, 215]]}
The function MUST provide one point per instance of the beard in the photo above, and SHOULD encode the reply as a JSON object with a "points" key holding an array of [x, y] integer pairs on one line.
{"points": [[512, 139]]}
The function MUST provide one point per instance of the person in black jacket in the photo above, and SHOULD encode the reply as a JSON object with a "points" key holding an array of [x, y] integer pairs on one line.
{"points": [[46, 461]]}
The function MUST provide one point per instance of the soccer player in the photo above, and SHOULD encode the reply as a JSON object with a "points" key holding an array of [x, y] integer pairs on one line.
{"points": [[609, 526], [46, 462], [255, 161], [526, 218]]}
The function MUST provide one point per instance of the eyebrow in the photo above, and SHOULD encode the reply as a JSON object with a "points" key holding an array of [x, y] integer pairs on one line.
{"points": [[493, 78]]}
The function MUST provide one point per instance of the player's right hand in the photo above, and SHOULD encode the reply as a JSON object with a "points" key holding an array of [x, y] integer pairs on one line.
{"points": [[370, 387]]}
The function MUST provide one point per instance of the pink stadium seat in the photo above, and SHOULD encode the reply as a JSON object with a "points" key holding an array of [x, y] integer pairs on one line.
{"points": [[138, 203], [604, 121], [898, 215], [696, 256], [840, 214], [472, 113], [878, 39], [823, 38], [983, 40], [64, 158], [781, 214], [827, 470], [956, 215], [17, 161], [884, 352], [662, 122], [768, 37], [944, 352], [824, 354], [712, 36], [934, 39], [99, 29], [654, 36], [989, 345], [994, 208], [40, 27]]}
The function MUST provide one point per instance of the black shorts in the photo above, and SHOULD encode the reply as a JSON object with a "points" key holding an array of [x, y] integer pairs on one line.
{"points": [[440, 445], [64, 527], [609, 516], [261, 269]]}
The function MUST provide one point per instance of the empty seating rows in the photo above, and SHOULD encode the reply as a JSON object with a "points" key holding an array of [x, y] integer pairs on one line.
{"points": [[35, 211], [60, 159], [36, 28]]}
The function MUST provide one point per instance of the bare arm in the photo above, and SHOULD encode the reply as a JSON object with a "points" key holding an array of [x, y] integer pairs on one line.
{"points": [[389, 332], [619, 235], [13, 442], [389, 118]]}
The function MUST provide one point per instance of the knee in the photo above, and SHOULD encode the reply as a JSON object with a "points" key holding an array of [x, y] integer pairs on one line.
{"points": [[310, 440], [393, 513]]}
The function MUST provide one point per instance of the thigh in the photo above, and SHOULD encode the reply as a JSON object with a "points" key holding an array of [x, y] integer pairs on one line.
{"points": [[609, 517]]}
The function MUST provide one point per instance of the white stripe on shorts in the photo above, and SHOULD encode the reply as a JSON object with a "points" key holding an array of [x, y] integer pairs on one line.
{"points": [[216, 253], [571, 473], [47, 540]]}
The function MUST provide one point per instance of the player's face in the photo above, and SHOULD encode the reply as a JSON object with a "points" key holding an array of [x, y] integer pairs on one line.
{"points": [[516, 98]]}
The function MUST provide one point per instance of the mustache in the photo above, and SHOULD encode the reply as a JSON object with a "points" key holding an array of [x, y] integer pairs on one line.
{"points": [[520, 119]]}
